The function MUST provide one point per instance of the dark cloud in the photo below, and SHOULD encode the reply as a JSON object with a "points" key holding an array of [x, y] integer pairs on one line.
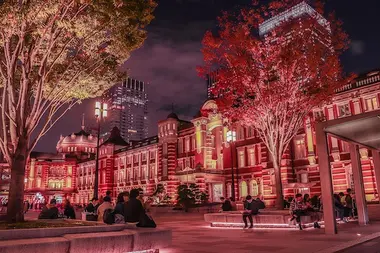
{"points": [[357, 47], [169, 57]]}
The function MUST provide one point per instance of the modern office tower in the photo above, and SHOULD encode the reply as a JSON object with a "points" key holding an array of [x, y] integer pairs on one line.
{"points": [[298, 11], [128, 110], [211, 80]]}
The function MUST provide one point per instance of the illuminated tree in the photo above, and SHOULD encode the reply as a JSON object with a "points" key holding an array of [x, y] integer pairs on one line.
{"points": [[53, 55], [270, 77]]}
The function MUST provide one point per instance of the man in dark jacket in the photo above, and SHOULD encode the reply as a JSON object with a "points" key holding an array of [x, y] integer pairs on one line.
{"points": [[93, 206], [134, 210], [226, 205], [251, 207], [49, 211]]}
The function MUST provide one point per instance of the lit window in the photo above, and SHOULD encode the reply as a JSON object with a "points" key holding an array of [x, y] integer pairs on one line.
{"points": [[243, 189], [251, 156], [303, 178], [371, 104], [299, 149], [250, 132], [318, 115], [254, 188], [241, 158], [187, 145], [344, 110]]}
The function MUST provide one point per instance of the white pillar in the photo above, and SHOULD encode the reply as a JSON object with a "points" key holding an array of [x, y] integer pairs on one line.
{"points": [[376, 166], [361, 204], [326, 181]]}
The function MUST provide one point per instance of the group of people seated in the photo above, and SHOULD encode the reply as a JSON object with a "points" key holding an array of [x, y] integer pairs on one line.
{"points": [[251, 207], [130, 208], [303, 206], [344, 205], [51, 211]]}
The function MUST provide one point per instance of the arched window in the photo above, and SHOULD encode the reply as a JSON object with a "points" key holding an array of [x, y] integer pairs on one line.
{"points": [[243, 189], [254, 188]]}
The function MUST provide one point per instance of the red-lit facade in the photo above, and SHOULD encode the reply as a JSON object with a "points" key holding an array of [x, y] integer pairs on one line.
{"points": [[197, 152]]}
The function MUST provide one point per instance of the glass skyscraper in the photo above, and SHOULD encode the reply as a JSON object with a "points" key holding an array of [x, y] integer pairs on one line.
{"points": [[128, 110]]}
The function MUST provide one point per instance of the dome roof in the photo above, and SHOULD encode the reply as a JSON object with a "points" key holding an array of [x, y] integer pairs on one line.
{"points": [[81, 138], [172, 115]]}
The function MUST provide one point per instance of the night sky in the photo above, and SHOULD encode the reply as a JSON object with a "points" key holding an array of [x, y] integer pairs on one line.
{"points": [[168, 59]]}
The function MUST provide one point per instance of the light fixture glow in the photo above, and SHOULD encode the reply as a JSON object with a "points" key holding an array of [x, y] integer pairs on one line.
{"points": [[231, 136]]}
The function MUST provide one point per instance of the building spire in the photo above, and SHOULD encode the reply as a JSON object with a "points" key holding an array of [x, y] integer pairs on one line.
{"points": [[173, 107], [83, 126]]}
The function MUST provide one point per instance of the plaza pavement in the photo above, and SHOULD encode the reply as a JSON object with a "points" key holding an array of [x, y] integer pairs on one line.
{"points": [[192, 235]]}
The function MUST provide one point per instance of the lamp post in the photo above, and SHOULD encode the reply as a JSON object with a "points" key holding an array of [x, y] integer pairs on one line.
{"points": [[231, 138], [100, 113]]}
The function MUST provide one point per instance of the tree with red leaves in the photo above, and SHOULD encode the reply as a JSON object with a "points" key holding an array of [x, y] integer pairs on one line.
{"points": [[275, 63]]}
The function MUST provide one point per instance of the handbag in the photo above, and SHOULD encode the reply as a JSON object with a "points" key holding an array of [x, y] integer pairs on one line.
{"points": [[146, 222]]}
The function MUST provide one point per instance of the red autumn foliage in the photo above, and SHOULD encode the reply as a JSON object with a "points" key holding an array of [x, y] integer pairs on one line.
{"points": [[272, 81]]}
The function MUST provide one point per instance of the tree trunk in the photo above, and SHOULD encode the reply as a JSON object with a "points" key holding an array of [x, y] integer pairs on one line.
{"points": [[277, 174], [15, 212]]}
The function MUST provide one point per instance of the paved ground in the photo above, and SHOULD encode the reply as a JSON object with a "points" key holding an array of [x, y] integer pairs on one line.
{"points": [[372, 246], [192, 234]]}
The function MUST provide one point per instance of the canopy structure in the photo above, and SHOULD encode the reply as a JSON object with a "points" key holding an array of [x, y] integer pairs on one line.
{"points": [[362, 130]]}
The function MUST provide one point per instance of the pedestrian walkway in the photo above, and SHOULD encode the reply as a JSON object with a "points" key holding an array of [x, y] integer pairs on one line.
{"points": [[191, 234]]}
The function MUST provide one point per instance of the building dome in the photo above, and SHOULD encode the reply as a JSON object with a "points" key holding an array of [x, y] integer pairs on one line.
{"points": [[173, 116], [81, 141]]}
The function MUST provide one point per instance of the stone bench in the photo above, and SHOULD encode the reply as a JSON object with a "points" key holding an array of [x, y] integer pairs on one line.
{"points": [[15, 234], [127, 240], [265, 219]]}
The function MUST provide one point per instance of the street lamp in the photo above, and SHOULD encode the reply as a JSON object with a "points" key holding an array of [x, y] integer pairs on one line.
{"points": [[231, 138], [100, 113]]}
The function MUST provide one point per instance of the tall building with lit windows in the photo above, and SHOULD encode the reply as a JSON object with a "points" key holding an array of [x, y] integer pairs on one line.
{"points": [[128, 110]]}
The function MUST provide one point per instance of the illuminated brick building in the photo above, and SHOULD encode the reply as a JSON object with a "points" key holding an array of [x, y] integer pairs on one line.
{"points": [[197, 152]]}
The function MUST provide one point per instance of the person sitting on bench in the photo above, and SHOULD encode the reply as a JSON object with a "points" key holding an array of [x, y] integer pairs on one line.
{"points": [[297, 209]]}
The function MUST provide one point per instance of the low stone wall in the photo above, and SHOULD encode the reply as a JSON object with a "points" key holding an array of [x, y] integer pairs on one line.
{"points": [[272, 219], [126, 240]]}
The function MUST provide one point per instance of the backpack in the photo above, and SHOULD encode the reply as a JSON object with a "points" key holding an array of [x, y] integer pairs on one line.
{"points": [[109, 216]]}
